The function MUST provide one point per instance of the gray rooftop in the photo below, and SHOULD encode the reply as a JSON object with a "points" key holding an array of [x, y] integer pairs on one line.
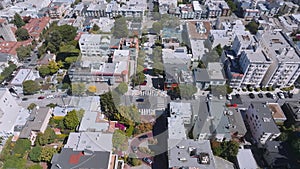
{"points": [[190, 153], [95, 141], [236, 121], [93, 121], [35, 122], [265, 115], [68, 158], [176, 128]]}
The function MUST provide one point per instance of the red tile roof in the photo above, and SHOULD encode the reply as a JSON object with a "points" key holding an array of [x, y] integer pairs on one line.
{"points": [[36, 25], [11, 47]]}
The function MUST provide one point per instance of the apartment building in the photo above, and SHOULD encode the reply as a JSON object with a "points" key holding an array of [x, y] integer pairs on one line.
{"points": [[285, 67], [5, 31], [289, 8], [92, 45], [261, 123]]}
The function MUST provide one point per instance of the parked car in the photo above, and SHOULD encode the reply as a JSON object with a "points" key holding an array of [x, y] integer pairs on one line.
{"points": [[237, 95], [260, 95], [24, 98], [286, 95], [229, 97], [139, 100], [269, 95], [147, 160], [274, 96], [134, 149], [50, 97], [290, 95], [280, 95], [251, 95], [144, 83], [41, 97]]}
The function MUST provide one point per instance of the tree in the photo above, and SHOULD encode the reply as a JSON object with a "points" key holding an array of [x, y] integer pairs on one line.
{"points": [[31, 106], [44, 70], [21, 146], [157, 27], [138, 79], [67, 32], [95, 27], [23, 52], [78, 88], [54, 66], [187, 90], [14, 162], [227, 149], [72, 119], [30, 87], [47, 153], [18, 21], [47, 137], [122, 88], [54, 38], [120, 29], [133, 160], [219, 49], [22, 34], [252, 27], [35, 154], [70, 60], [120, 141]]}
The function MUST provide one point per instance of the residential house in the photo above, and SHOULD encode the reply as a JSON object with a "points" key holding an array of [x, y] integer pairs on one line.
{"points": [[4, 58], [275, 155], [245, 159], [292, 112], [261, 123], [289, 8], [57, 10], [68, 158], [190, 154], [212, 76], [36, 122], [22, 76], [35, 26], [187, 11], [197, 9], [6, 32], [277, 113], [46, 59], [93, 141], [184, 110], [9, 110]]}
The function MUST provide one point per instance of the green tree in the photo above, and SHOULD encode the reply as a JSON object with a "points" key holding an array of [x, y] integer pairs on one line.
{"points": [[31, 106], [120, 29], [78, 89], [187, 90], [122, 88], [23, 52], [252, 27], [14, 162], [133, 160], [227, 149], [54, 66], [157, 27], [30, 87], [18, 21], [70, 60], [120, 141], [54, 38], [72, 119], [47, 137], [22, 34], [8, 71], [47, 153], [44, 70], [295, 143], [219, 49], [21, 146], [67, 32], [95, 27], [35, 154], [138, 79], [36, 166]]}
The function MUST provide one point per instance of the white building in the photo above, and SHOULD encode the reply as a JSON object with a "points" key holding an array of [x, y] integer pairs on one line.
{"points": [[9, 110], [5, 31], [92, 45], [22, 76], [261, 123], [184, 110], [246, 160]]}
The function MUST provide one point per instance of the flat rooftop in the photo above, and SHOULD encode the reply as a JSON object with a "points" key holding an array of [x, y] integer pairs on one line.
{"points": [[277, 112]]}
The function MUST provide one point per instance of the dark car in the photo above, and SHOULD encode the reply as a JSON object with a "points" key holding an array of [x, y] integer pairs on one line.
{"points": [[24, 99], [237, 95], [139, 100], [290, 95], [269, 95], [147, 160], [144, 83], [134, 149], [143, 137], [251, 95], [41, 97], [286, 95], [260, 95]]}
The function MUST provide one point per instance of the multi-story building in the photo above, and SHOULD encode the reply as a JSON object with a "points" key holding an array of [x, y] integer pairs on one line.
{"points": [[289, 8], [183, 110], [285, 67], [94, 45], [197, 9], [9, 110], [261, 123], [187, 11], [5, 31], [213, 10]]}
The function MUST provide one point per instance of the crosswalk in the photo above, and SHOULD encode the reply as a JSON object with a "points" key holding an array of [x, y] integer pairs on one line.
{"points": [[151, 93], [147, 112]]}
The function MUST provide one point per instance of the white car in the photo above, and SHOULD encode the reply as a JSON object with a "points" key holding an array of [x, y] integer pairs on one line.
{"points": [[50, 97], [281, 95], [229, 97]]}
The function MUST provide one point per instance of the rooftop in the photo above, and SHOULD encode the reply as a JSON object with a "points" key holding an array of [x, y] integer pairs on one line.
{"points": [[190, 153], [245, 159], [35, 26], [95, 141], [176, 128], [276, 110], [93, 121], [21, 76]]}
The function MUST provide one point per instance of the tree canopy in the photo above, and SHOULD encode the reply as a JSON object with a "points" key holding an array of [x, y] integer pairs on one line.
{"points": [[252, 27], [30, 87], [18, 21], [157, 27], [23, 52], [120, 140], [73, 118], [95, 27], [22, 34], [31, 106], [120, 29], [122, 88], [227, 149], [35, 154], [78, 89], [46, 138], [187, 90], [21, 146], [47, 153]]}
